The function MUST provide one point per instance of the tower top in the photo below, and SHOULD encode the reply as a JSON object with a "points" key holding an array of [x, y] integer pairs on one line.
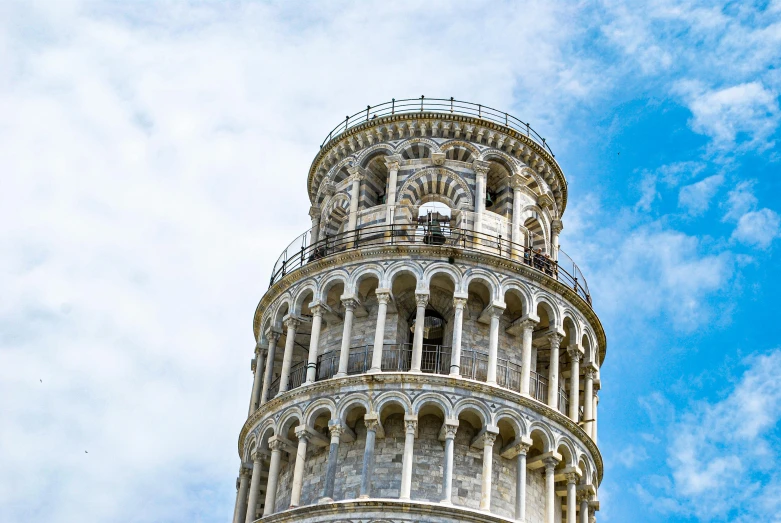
{"points": [[438, 119]]}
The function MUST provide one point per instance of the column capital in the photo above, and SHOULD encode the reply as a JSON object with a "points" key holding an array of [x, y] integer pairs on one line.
{"points": [[550, 463], [459, 302], [253, 364], [275, 443], [497, 309], [575, 353], [450, 430], [245, 470], [555, 340], [314, 212], [421, 298], [336, 430], [411, 424], [590, 370], [291, 322], [556, 226], [522, 449], [257, 456], [517, 181], [350, 302], [383, 296], [273, 334], [571, 477], [488, 439], [316, 308], [303, 433], [480, 167], [392, 161], [356, 173]]}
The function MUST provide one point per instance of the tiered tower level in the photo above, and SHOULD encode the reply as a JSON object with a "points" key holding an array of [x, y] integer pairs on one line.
{"points": [[426, 352]]}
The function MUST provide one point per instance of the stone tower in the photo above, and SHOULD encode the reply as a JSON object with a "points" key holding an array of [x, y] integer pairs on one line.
{"points": [[426, 352]]}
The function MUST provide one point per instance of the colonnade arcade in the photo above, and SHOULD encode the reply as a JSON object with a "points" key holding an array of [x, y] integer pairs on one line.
{"points": [[407, 318], [310, 443]]}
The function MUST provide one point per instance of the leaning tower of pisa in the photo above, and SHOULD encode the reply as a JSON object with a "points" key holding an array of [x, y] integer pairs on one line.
{"points": [[426, 351]]}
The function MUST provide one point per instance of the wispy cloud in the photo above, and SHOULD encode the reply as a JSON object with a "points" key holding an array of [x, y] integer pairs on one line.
{"points": [[696, 198]]}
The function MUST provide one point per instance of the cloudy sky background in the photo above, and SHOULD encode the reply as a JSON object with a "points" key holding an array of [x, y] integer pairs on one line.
{"points": [[153, 159]]}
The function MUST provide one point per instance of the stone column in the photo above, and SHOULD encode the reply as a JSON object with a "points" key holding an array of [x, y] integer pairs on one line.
{"points": [[314, 234], [292, 323], [588, 404], [336, 429], [254, 488], [493, 343], [259, 364], [273, 338], [298, 469], [516, 182], [447, 469], [392, 162], [583, 497], [372, 424], [355, 194], [240, 511], [574, 383], [572, 480], [488, 460], [553, 370], [314, 343], [458, 321], [526, 355], [594, 427], [383, 297], [421, 299], [556, 228], [481, 173], [550, 489], [411, 428], [520, 482], [347, 333], [273, 476]]}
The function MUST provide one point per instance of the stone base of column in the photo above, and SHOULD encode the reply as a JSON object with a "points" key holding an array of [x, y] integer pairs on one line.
{"points": [[364, 496], [373, 371], [340, 375], [323, 501]]}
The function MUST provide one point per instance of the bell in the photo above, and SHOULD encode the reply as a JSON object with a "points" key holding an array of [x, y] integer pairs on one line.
{"points": [[489, 201]]}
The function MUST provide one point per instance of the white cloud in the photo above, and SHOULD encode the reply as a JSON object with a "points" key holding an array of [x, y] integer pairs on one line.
{"points": [[744, 115], [723, 455], [758, 228], [740, 200], [155, 159], [696, 198]]}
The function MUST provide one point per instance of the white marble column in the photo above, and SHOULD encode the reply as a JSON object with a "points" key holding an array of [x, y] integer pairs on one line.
{"points": [[410, 431], [254, 488], [273, 337], [314, 343], [574, 354], [421, 300], [383, 297], [588, 403], [240, 511], [392, 162], [583, 497], [481, 173], [336, 429], [458, 324], [572, 480], [550, 490], [451, 427], [292, 323], [527, 327], [488, 439], [259, 364], [298, 469], [517, 182], [553, 370], [273, 476], [493, 343], [594, 427], [355, 195], [556, 228], [314, 234], [347, 333], [520, 481], [372, 423]]}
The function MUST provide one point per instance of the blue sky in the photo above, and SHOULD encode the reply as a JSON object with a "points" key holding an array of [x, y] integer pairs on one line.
{"points": [[154, 157]]}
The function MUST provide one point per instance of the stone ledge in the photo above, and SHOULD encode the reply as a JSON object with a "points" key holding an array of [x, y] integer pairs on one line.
{"points": [[385, 511]]}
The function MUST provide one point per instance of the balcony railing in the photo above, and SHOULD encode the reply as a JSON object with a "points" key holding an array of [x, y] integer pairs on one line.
{"points": [[436, 359], [436, 105], [302, 251]]}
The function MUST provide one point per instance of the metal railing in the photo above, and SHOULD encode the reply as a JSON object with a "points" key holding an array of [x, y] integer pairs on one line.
{"points": [[302, 251], [436, 359], [436, 105]]}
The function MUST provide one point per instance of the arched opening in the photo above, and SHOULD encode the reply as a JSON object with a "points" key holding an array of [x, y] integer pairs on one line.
{"points": [[434, 326], [536, 240]]}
